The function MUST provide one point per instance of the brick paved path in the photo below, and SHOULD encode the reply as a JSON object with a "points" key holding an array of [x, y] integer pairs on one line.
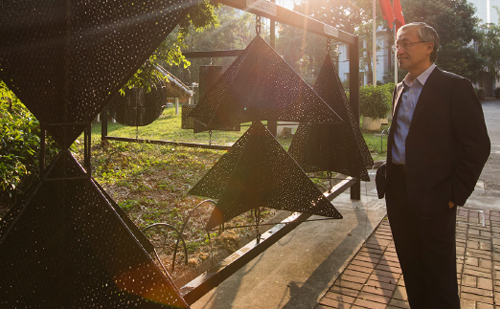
{"points": [[373, 277]]}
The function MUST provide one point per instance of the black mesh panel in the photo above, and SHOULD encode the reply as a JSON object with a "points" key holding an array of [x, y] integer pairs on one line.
{"points": [[332, 147], [256, 172], [66, 59], [260, 85]]}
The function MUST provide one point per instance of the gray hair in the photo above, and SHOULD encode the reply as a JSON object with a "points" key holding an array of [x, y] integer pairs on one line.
{"points": [[425, 33]]}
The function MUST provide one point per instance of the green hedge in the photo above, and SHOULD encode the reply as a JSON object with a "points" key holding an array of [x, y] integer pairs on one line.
{"points": [[375, 102], [19, 146]]}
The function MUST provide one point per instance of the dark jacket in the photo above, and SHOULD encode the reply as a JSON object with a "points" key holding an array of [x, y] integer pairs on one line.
{"points": [[447, 144]]}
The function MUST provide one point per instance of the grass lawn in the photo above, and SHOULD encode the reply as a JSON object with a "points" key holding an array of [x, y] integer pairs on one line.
{"points": [[167, 128]]}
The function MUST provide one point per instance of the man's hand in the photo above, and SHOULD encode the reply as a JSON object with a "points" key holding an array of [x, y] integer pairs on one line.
{"points": [[450, 204]]}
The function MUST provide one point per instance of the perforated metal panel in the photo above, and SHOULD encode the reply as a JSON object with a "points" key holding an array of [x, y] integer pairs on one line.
{"points": [[66, 59], [260, 85], [138, 107], [257, 172], [332, 147], [67, 245]]}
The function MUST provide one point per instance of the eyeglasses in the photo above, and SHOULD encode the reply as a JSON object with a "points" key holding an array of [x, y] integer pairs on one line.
{"points": [[406, 45]]}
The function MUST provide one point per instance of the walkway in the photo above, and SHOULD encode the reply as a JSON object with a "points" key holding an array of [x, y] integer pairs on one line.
{"points": [[373, 277]]}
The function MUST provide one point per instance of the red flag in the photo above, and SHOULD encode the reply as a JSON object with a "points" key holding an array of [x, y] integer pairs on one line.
{"points": [[398, 14], [386, 8]]}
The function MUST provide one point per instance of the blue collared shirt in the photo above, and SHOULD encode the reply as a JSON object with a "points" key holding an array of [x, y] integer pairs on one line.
{"points": [[409, 99]]}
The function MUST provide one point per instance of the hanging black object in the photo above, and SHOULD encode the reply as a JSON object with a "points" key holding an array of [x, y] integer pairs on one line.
{"points": [[66, 59], [65, 245], [260, 85], [332, 147], [257, 172], [138, 107]]}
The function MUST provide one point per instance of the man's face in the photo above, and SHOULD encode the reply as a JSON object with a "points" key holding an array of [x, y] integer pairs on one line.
{"points": [[416, 56]]}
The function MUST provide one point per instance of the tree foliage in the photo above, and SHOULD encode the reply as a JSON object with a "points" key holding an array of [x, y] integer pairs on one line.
{"points": [[19, 146], [306, 52], [201, 17], [457, 27], [234, 31], [489, 47]]}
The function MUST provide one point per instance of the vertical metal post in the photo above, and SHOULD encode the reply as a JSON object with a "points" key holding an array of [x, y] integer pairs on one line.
{"points": [[42, 150], [104, 123], [88, 149], [354, 98], [272, 126], [176, 105]]}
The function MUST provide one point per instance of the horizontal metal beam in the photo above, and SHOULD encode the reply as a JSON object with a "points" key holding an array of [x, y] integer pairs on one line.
{"points": [[217, 53], [204, 283], [290, 17], [160, 142]]}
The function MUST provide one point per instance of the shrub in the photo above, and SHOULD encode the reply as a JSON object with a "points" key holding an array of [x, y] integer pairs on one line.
{"points": [[497, 93], [19, 146], [481, 93], [375, 102]]}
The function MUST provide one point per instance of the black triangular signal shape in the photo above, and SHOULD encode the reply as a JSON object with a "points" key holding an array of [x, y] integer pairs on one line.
{"points": [[69, 248], [260, 85], [64, 166], [332, 147], [66, 59], [260, 173]]}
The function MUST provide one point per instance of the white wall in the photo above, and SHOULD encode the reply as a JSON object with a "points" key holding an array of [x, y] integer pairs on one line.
{"points": [[383, 64]]}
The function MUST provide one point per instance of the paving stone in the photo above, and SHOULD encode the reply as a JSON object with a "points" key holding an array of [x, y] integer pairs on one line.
{"points": [[471, 290], [470, 281], [396, 303], [363, 263], [360, 269], [334, 305], [381, 285], [475, 297], [329, 297], [369, 304], [374, 297], [368, 258], [485, 284], [344, 291], [474, 261], [389, 268], [384, 273], [476, 273], [400, 293], [386, 262], [486, 264], [393, 280], [348, 284], [352, 278], [472, 244], [377, 291], [480, 305], [467, 304]]}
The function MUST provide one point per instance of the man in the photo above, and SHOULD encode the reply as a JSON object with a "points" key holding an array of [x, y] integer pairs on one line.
{"points": [[437, 147]]}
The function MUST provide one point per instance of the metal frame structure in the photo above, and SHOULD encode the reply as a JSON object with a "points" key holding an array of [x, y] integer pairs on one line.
{"points": [[201, 285], [283, 15]]}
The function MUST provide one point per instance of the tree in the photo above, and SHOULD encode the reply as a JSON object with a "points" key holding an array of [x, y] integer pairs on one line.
{"points": [[201, 17], [457, 27], [235, 30], [353, 16], [489, 47]]}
